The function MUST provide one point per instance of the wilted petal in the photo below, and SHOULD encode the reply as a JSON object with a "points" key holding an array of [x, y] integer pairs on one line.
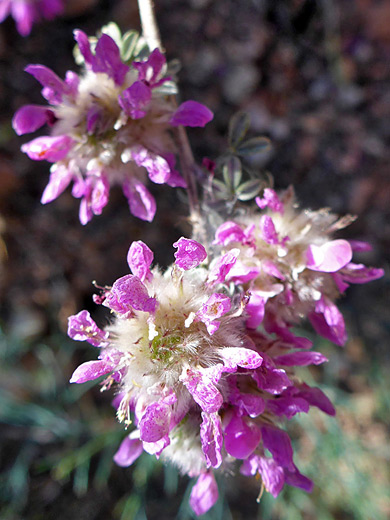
{"points": [[212, 439], [91, 370], [189, 254], [204, 494], [141, 201], [48, 148], [139, 259], [191, 113], [330, 257], [128, 452]]}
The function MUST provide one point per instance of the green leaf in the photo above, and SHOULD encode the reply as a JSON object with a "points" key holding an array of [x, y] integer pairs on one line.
{"points": [[220, 190], [238, 127], [249, 189], [111, 29], [129, 44], [232, 173], [254, 146]]}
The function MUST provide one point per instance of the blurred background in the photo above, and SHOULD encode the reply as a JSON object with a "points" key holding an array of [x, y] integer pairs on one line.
{"points": [[315, 77]]}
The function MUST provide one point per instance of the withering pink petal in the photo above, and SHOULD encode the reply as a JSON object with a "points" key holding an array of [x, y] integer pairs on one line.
{"points": [[204, 494], [211, 439], [189, 254], [128, 452], [139, 259], [329, 257], [48, 148], [191, 113]]}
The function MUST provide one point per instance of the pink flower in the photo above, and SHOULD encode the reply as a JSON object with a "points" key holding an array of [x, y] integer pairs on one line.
{"points": [[27, 12]]}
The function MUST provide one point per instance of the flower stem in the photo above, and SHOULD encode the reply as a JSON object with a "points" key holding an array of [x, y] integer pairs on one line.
{"points": [[152, 36]]}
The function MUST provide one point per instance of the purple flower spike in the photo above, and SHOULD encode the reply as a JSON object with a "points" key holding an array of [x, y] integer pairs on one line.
{"points": [[204, 494], [191, 113], [189, 253], [215, 307], [140, 258], [129, 451], [47, 148], [330, 257], [81, 327]]}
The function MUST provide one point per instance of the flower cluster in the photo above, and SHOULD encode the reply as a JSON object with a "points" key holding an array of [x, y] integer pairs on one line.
{"points": [[110, 125], [202, 389], [27, 12], [292, 266]]}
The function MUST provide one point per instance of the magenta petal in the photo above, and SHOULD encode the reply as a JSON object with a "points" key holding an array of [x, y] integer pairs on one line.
{"points": [[60, 178], [107, 59], [204, 494], [270, 199], [212, 439], [81, 327], [203, 390], [279, 444], [91, 370], [48, 148], [157, 447], [330, 257], [359, 273], [215, 307], [129, 292], [141, 201], [135, 99], [229, 232], [221, 268], [191, 113], [241, 437], [288, 405], [29, 118], [150, 70], [255, 309], [189, 254], [139, 259], [5, 7], [24, 14], [128, 452], [296, 479], [84, 46], [54, 87], [267, 230], [328, 321], [240, 356], [157, 167], [272, 475], [300, 359], [316, 397], [154, 424]]}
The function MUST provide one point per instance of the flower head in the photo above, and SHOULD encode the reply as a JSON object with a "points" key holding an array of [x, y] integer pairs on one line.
{"points": [[27, 12], [292, 265], [110, 125]]}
